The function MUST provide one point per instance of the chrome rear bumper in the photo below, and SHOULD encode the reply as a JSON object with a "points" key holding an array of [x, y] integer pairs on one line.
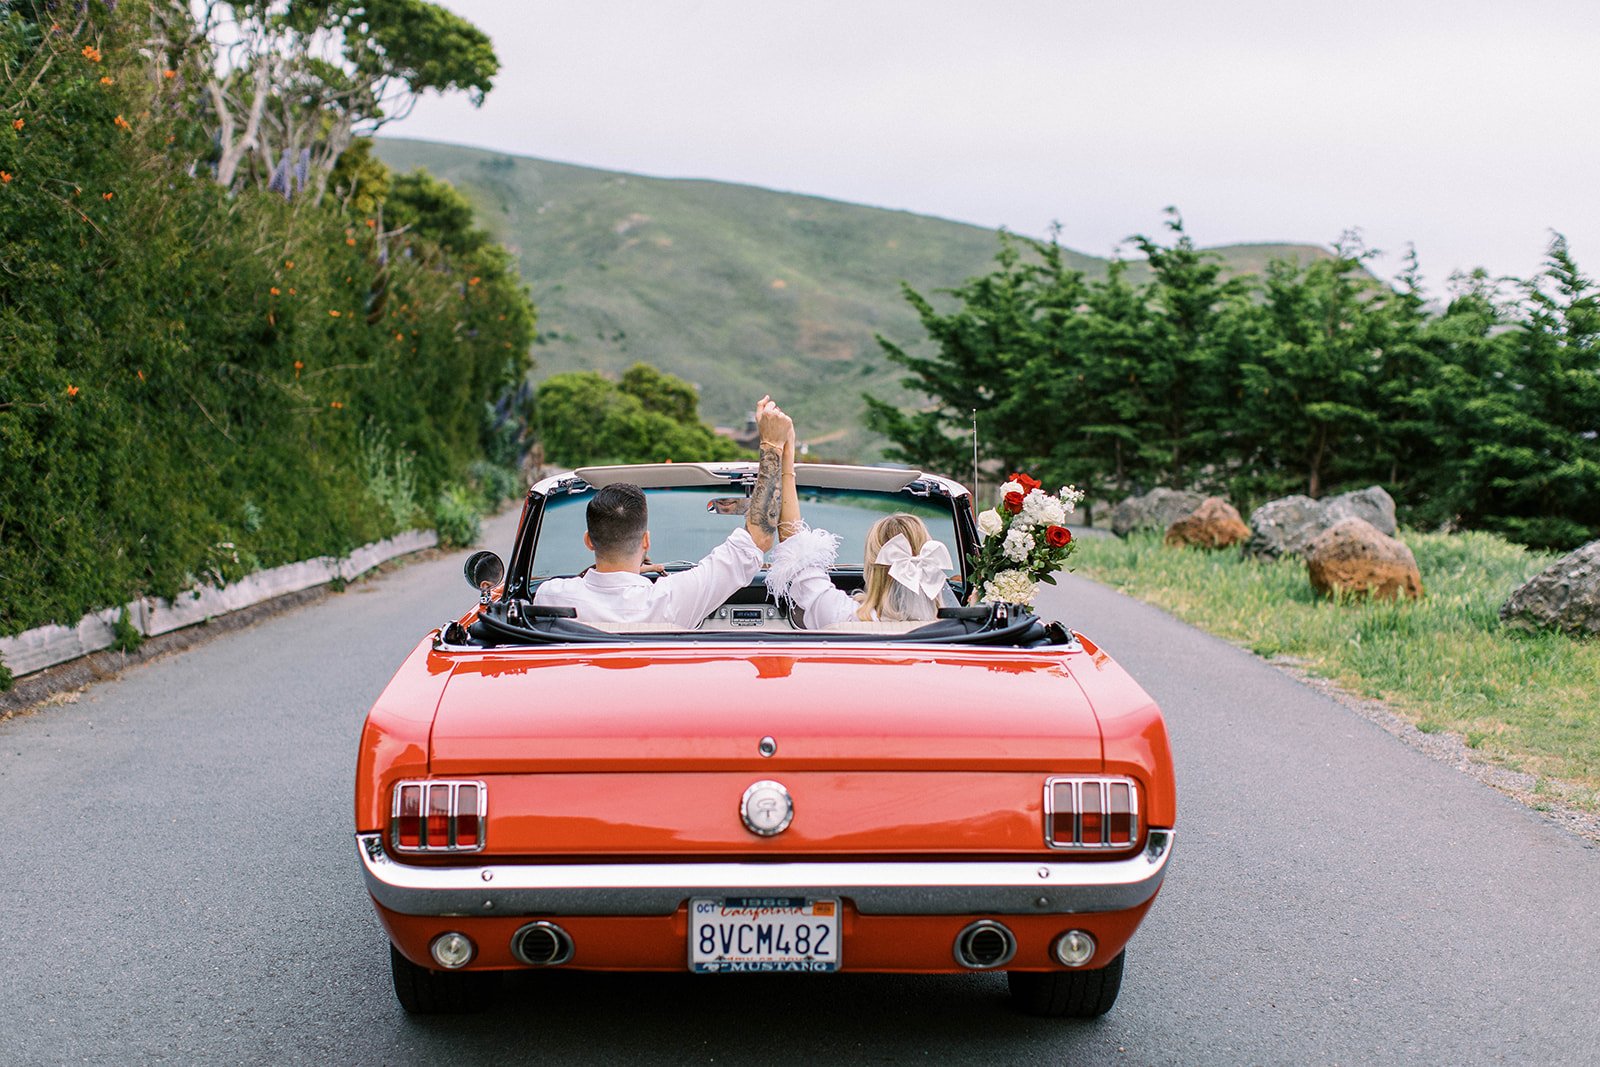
{"points": [[877, 887]]}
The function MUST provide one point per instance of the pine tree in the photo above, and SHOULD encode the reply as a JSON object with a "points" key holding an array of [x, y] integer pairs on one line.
{"points": [[1537, 471], [1313, 411]]}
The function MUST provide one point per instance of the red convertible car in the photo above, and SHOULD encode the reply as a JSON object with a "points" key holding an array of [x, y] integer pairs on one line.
{"points": [[987, 791]]}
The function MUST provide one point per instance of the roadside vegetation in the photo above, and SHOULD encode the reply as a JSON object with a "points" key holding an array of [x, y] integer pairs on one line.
{"points": [[1526, 700], [219, 352], [1311, 378]]}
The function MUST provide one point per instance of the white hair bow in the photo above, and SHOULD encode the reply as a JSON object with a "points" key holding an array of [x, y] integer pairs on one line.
{"points": [[923, 571]]}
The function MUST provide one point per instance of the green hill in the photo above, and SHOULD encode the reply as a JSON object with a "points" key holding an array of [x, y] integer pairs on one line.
{"points": [[737, 289]]}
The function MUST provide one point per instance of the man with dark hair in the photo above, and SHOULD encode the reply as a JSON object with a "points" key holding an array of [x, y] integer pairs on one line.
{"points": [[618, 518], [618, 533]]}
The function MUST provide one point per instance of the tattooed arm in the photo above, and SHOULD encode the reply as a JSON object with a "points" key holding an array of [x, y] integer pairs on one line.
{"points": [[761, 520]]}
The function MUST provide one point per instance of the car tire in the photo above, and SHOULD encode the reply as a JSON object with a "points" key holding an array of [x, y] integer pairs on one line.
{"points": [[1067, 994], [423, 991]]}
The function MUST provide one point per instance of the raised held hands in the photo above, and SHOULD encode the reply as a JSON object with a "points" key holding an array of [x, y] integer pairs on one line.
{"points": [[775, 427]]}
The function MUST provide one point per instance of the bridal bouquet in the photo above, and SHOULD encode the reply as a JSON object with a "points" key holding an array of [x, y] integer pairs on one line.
{"points": [[1023, 541]]}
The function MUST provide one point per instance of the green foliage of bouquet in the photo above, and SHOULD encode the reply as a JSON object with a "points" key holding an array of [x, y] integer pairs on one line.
{"points": [[1025, 540]]}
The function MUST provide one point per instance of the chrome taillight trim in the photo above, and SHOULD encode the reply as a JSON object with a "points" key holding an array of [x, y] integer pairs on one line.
{"points": [[1102, 785], [454, 817]]}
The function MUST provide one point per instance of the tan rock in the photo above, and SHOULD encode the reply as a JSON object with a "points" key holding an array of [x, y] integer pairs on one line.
{"points": [[1214, 524], [1353, 557]]}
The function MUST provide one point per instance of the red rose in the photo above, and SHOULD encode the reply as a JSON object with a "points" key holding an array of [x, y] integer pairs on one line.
{"points": [[1058, 536], [1013, 502], [1028, 484]]}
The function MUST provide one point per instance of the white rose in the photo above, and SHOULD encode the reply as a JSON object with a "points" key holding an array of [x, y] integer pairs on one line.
{"points": [[1010, 487], [989, 522]]}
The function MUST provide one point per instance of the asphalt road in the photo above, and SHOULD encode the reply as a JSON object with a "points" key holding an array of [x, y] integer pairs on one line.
{"points": [[178, 884]]}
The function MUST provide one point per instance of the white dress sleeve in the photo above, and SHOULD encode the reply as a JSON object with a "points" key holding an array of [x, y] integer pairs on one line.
{"points": [[799, 572]]}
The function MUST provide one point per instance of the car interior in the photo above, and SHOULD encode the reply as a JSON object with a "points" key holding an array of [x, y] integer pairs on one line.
{"points": [[693, 508]]}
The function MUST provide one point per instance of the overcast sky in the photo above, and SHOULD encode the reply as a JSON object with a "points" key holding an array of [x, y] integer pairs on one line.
{"points": [[1463, 126]]}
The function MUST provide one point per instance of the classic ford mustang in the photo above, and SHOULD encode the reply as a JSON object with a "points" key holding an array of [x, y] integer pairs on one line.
{"points": [[986, 791]]}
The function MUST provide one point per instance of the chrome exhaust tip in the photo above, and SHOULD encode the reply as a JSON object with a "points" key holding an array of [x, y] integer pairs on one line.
{"points": [[542, 944], [985, 945]]}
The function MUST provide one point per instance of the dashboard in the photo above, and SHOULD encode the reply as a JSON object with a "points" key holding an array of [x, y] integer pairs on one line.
{"points": [[735, 616]]}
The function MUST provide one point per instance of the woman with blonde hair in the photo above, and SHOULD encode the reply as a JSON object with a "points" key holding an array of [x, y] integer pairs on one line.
{"points": [[903, 566]]}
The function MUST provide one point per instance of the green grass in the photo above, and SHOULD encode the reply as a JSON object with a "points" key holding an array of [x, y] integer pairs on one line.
{"points": [[737, 289], [1530, 701]]}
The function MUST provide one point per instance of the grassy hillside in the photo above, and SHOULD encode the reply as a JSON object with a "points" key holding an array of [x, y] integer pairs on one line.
{"points": [[737, 289]]}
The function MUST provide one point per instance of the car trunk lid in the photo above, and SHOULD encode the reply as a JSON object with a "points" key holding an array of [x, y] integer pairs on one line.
{"points": [[673, 709], [649, 752]]}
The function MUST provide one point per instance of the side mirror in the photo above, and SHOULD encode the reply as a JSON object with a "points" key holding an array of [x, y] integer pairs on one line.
{"points": [[483, 567]]}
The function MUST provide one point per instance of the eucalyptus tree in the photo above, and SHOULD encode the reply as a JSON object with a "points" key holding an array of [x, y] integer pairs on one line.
{"points": [[285, 86]]}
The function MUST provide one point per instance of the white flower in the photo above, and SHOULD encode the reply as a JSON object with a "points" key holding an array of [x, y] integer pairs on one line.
{"points": [[1071, 497], [989, 522], [1019, 543], [1039, 507], [1011, 587], [1010, 487]]}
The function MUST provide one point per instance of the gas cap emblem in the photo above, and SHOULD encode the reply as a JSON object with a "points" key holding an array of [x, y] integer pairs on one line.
{"points": [[766, 808]]}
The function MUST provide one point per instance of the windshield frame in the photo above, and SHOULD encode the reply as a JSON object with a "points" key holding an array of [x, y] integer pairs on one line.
{"points": [[740, 477]]}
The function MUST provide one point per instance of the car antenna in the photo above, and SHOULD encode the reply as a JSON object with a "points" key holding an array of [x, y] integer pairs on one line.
{"points": [[974, 455]]}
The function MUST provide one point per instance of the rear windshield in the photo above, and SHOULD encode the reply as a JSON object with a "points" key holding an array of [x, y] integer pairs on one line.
{"points": [[687, 523]]}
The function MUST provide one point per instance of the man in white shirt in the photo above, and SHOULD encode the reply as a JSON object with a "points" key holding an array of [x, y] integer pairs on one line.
{"points": [[613, 590]]}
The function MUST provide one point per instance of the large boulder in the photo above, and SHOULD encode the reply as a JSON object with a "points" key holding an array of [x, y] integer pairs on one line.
{"points": [[1284, 527], [1354, 557], [1372, 503], [1155, 510], [1565, 595], [1214, 524]]}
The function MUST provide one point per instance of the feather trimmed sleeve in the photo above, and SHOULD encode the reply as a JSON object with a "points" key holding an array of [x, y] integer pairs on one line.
{"points": [[807, 551]]}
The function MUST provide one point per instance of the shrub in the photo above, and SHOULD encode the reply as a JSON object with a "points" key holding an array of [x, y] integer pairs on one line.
{"points": [[455, 517], [494, 483], [125, 637], [390, 480]]}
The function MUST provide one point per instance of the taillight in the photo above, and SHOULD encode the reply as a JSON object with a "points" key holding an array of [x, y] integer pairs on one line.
{"points": [[437, 816], [1091, 813], [467, 795], [408, 816], [439, 820]]}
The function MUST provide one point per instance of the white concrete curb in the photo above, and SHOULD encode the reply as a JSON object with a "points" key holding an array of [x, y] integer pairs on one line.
{"points": [[46, 646]]}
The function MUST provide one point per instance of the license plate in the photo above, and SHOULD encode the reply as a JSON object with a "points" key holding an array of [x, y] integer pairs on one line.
{"points": [[763, 934]]}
